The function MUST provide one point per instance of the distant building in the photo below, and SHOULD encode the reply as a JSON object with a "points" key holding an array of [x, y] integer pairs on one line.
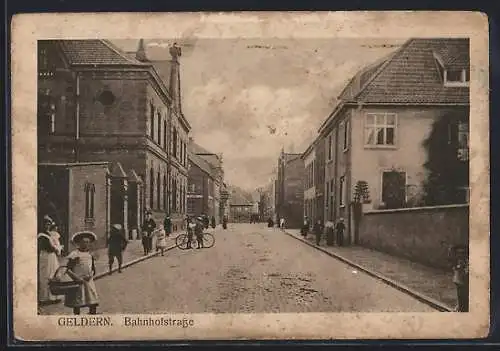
{"points": [[241, 205], [290, 189], [212, 167]]}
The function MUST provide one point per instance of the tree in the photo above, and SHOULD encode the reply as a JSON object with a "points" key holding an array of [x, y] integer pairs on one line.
{"points": [[446, 172]]}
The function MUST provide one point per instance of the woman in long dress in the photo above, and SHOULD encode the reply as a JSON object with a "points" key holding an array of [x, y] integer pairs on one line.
{"points": [[49, 249]]}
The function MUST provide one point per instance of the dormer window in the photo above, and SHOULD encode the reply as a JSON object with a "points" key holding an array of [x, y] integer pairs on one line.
{"points": [[452, 76]]}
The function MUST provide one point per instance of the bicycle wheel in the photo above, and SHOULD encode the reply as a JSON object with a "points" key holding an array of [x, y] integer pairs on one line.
{"points": [[182, 241], [208, 240]]}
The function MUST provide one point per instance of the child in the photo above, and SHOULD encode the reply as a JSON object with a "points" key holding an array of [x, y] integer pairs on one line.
{"points": [[460, 266], [81, 268], [161, 241]]}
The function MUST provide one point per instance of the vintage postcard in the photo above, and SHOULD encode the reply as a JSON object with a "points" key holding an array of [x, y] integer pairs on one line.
{"points": [[250, 176]]}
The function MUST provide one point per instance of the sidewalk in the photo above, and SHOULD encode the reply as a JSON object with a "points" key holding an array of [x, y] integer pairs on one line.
{"points": [[433, 286], [133, 253]]}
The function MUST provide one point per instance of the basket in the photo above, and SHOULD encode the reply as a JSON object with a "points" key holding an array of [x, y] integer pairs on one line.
{"points": [[58, 287]]}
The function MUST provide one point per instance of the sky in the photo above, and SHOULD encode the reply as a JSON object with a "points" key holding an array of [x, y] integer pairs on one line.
{"points": [[248, 98]]}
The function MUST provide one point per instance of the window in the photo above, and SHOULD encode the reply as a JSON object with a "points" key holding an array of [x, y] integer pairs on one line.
{"points": [[463, 141], [43, 60], [46, 114], [151, 188], [158, 191], [89, 201], [152, 131], [394, 189], [158, 114], [327, 193], [106, 98], [165, 195], [342, 192], [456, 78], [346, 135], [192, 188], [380, 129], [330, 147], [175, 143], [165, 134]]}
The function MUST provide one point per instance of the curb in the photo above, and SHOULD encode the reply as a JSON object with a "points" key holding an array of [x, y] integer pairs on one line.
{"points": [[401, 287], [134, 261]]}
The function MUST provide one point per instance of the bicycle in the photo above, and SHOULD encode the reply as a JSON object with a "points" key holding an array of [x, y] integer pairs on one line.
{"points": [[181, 241]]}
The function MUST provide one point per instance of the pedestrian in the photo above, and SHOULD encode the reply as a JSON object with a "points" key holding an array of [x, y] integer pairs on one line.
{"points": [[339, 230], [330, 235], [167, 225], [460, 267], [148, 226], [198, 231], [190, 232], [161, 241], [117, 243], [270, 223], [224, 222], [206, 221], [213, 222], [282, 223], [318, 231], [81, 268], [49, 251], [305, 227]]}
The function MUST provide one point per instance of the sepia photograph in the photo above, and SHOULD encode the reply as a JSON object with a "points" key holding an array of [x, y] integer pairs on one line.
{"points": [[186, 175]]}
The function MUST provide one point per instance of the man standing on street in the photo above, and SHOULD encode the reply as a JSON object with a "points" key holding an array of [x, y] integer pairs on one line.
{"points": [[339, 229], [116, 245], [167, 225], [318, 230], [148, 227]]}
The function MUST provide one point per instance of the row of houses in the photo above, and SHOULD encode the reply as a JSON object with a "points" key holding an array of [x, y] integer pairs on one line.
{"points": [[397, 138], [113, 140]]}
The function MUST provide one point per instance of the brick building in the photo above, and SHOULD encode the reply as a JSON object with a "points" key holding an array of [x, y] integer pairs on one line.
{"points": [[99, 104], [290, 189], [212, 166], [200, 193], [377, 132]]}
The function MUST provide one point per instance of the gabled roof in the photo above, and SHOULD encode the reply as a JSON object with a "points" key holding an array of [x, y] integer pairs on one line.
{"points": [[197, 149], [164, 70], [95, 52], [201, 163], [410, 76]]}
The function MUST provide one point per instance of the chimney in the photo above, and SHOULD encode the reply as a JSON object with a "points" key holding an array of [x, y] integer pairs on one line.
{"points": [[141, 52], [175, 79]]}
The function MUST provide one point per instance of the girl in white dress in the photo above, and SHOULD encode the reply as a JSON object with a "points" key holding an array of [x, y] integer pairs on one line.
{"points": [[81, 268], [161, 241]]}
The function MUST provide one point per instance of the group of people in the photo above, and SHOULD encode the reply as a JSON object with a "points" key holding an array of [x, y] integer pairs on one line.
{"points": [[79, 267], [149, 230], [334, 233]]}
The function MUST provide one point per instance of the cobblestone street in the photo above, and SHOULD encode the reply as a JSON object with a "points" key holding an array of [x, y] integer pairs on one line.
{"points": [[251, 269]]}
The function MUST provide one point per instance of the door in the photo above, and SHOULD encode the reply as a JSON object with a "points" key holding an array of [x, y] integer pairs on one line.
{"points": [[394, 189]]}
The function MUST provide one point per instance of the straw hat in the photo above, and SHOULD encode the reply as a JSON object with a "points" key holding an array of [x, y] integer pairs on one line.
{"points": [[117, 226], [80, 235], [47, 219]]}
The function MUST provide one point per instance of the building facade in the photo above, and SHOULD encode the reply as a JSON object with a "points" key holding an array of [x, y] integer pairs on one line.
{"points": [[216, 201], [310, 207], [99, 104], [201, 187], [290, 189], [382, 131]]}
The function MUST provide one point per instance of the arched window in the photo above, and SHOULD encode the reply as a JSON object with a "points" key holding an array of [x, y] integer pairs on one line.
{"points": [[158, 191], [151, 188], [89, 200]]}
